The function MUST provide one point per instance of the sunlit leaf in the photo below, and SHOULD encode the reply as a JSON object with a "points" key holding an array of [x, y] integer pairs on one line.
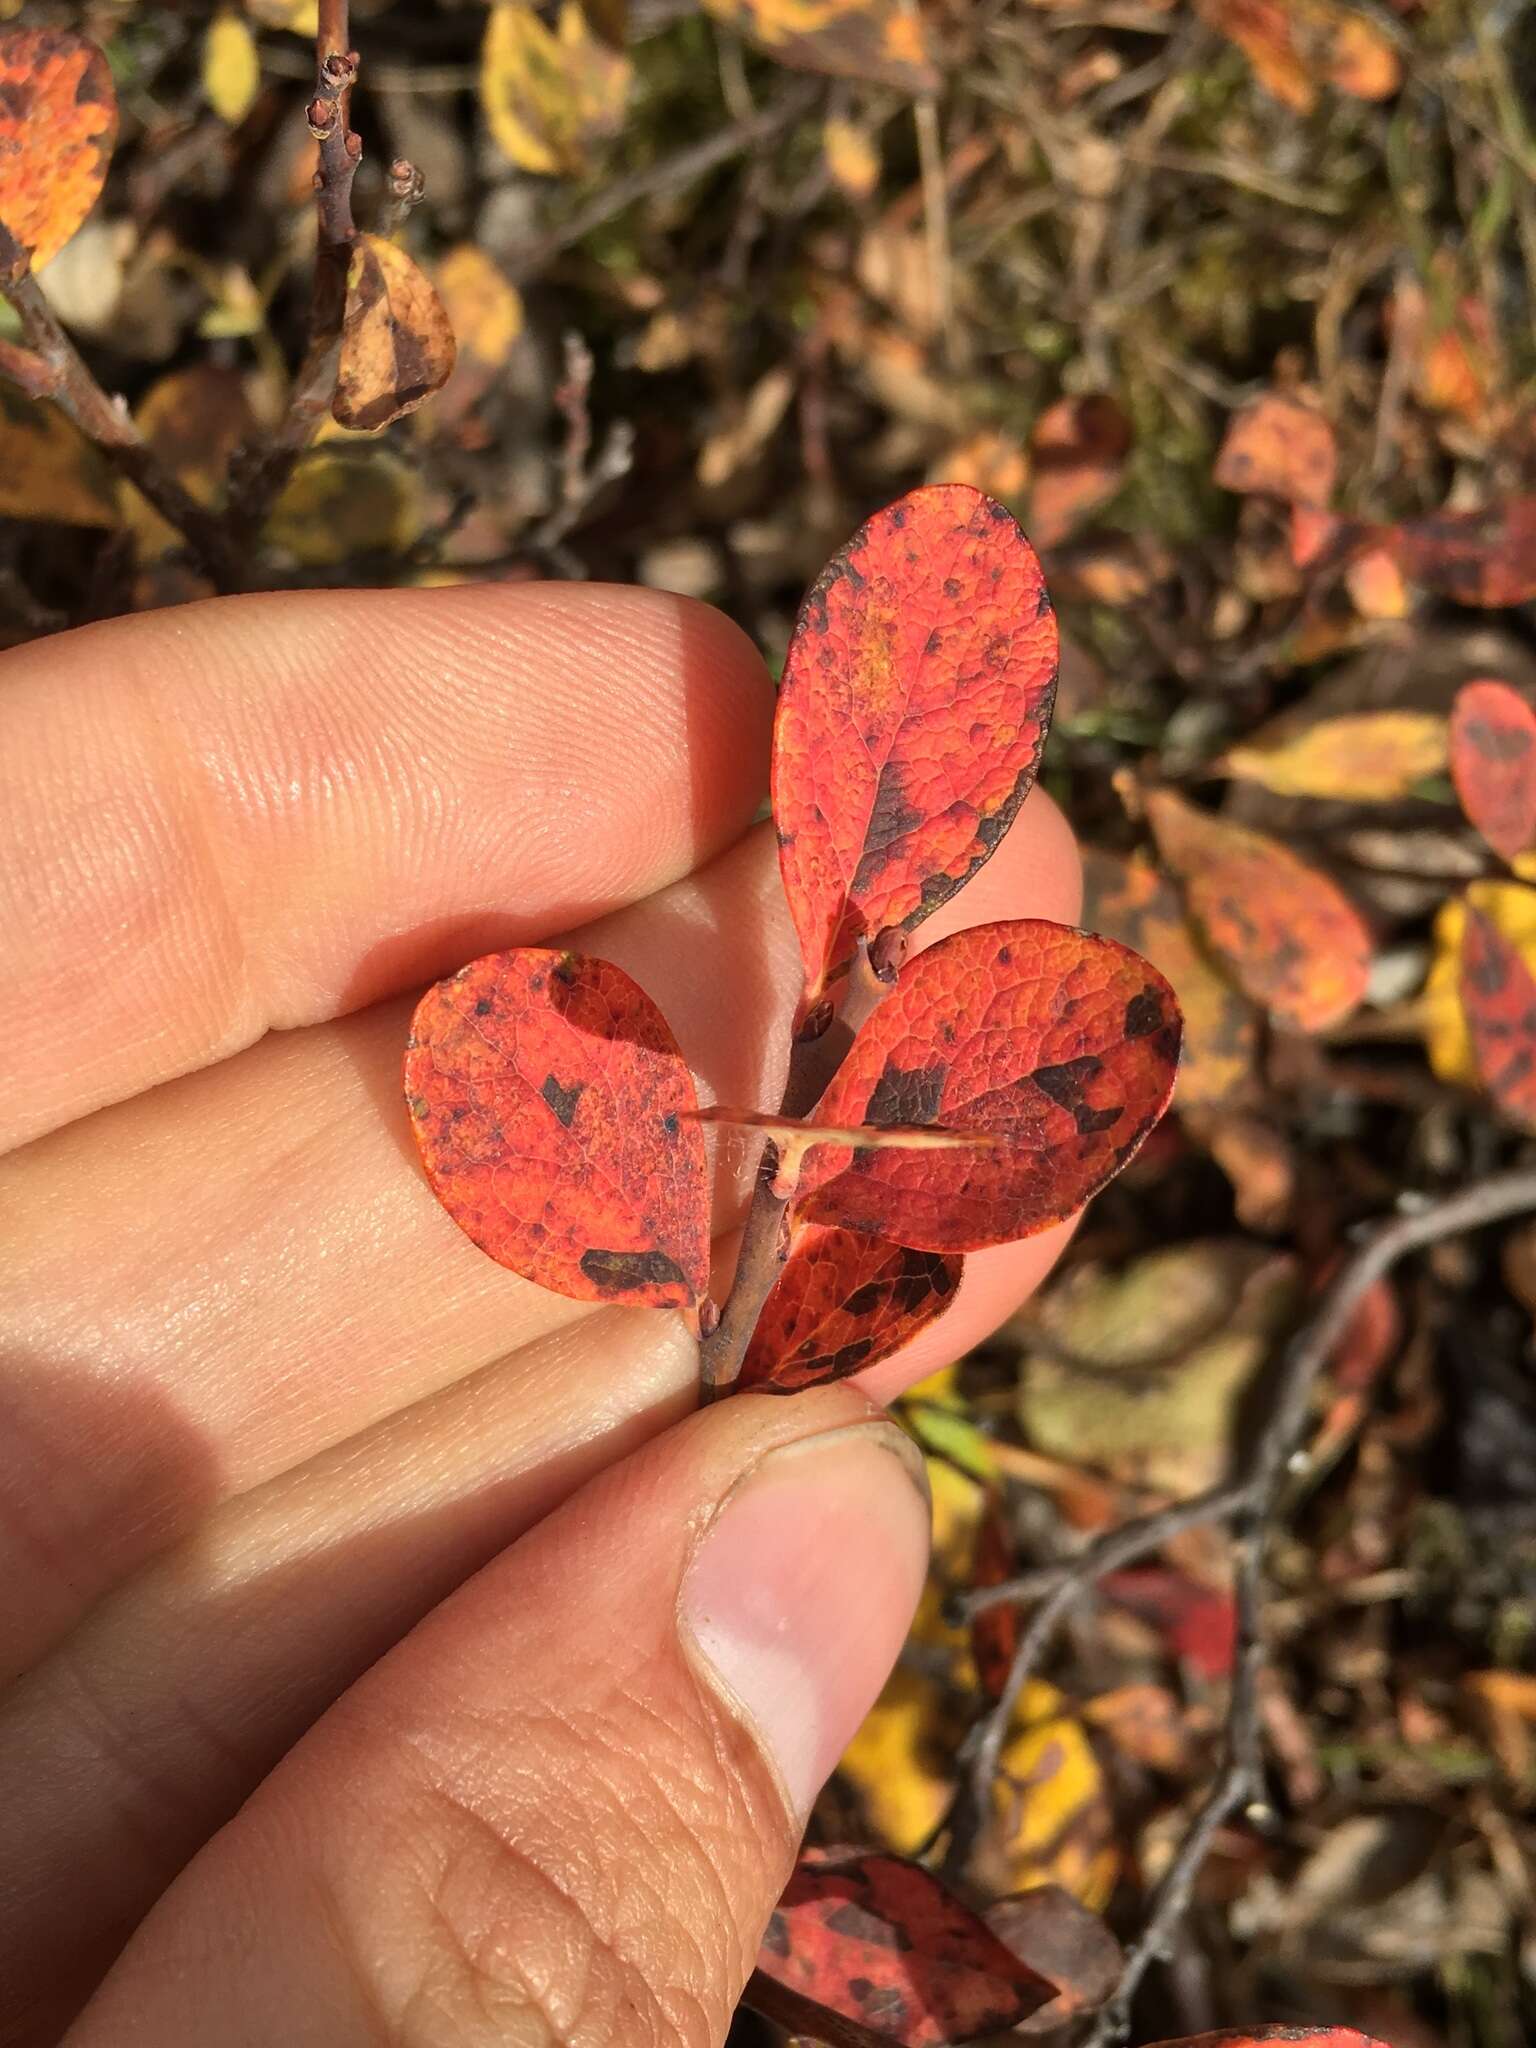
{"points": [[1281, 449], [550, 1105], [1498, 994], [58, 122], [396, 345], [844, 1301], [1062, 1044], [550, 95], [913, 709], [875, 40], [1298, 46], [345, 504], [1364, 757], [1510, 908], [1493, 764], [1286, 930], [231, 67]]}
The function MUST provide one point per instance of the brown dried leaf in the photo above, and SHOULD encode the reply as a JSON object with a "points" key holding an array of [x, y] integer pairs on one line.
{"points": [[1079, 448], [396, 345]]}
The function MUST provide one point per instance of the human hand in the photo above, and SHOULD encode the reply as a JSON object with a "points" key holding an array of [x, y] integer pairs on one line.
{"points": [[526, 1676]]}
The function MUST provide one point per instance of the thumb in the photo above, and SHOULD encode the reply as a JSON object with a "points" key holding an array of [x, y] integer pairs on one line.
{"points": [[561, 1810]]}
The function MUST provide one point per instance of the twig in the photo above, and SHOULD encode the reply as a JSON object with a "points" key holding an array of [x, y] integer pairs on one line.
{"points": [[50, 366], [258, 483], [1254, 1497]]}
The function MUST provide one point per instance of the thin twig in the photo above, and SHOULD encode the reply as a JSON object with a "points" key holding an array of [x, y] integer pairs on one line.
{"points": [[50, 366], [1255, 1498], [258, 483]]}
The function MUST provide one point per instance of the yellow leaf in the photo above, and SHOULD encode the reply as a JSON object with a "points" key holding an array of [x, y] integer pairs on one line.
{"points": [[1369, 757], [299, 17], [875, 40], [397, 347], [852, 158], [549, 96], [194, 419], [1051, 1818], [48, 470], [347, 499], [1511, 909], [484, 310], [231, 68], [901, 1762]]}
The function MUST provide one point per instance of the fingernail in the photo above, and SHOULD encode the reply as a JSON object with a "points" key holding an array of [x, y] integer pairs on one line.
{"points": [[800, 1594]]}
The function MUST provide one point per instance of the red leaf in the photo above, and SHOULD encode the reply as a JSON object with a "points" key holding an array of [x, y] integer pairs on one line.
{"points": [[881, 1941], [58, 122], [1289, 934], [1064, 1044], [913, 708], [1498, 993], [842, 1302], [1295, 2037], [1280, 449], [1493, 763], [1483, 558], [995, 1631], [1199, 1623], [552, 1110]]}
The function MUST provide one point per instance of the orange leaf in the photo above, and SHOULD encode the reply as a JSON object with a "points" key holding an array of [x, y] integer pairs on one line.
{"points": [[1493, 763], [1289, 934], [1296, 45], [914, 705], [1279, 449], [1063, 1044], [874, 40], [1079, 447], [844, 1301], [551, 1108], [1498, 994], [58, 122], [396, 345]]}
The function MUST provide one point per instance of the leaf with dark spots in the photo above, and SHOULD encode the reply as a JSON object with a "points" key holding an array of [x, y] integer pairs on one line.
{"points": [[1498, 994], [554, 1116], [903, 1096], [1485, 557], [1493, 763], [900, 760], [1261, 2037], [1289, 934], [843, 1301], [58, 122], [397, 347], [1021, 999], [879, 1943]]}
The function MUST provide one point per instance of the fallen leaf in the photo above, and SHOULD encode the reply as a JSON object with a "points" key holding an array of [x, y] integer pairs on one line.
{"points": [[989, 462], [1288, 933], [1296, 46], [877, 41], [1198, 1623], [1279, 448], [1510, 908], [883, 1942], [901, 1761], [853, 158], [1139, 1370], [914, 705], [1128, 900], [1363, 758], [1498, 994], [1145, 1721], [194, 419], [844, 1300], [48, 469], [550, 1104], [1292, 2037], [550, 95], [1050, 1820], [346, 504], [1508, 1699], [231, 67], [1376, 585], [58, 122], [484, 310], [1062, 1044], [1485, 558], [1069, 1945], [1493, 764], [396, 345], [1078, 448], [747, 429]]}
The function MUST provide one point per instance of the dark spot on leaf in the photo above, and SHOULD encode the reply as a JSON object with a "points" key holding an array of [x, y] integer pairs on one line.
{"points": [[934, 642], [776, 1935], [1143, 1015], [670, 1124], [906, 1095], [859, 1922], [620, 1272], [952, 587], [483, 1007], [1042, 602], [562, 1101], [898, 516], [1004, 956], [1498, 742]]}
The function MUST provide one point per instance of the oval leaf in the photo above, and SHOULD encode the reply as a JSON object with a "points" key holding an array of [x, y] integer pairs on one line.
{"points": [[1485, 557], [1367, 757], [1293, 2037], [58, 122], [1498, 994], [1289, 934], [1279, 449], [396, 345], [550, 94], [1063, 1044], [842, 1302], [552, 1110], [1493, 763], [914, 705], [881, 1942]]}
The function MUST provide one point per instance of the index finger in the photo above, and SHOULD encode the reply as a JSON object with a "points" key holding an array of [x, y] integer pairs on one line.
{"points": [[267, 811]]}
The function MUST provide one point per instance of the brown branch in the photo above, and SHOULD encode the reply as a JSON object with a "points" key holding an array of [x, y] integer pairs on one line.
{"points": [[50, 366], [1255, 1498], [260, 481]]}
